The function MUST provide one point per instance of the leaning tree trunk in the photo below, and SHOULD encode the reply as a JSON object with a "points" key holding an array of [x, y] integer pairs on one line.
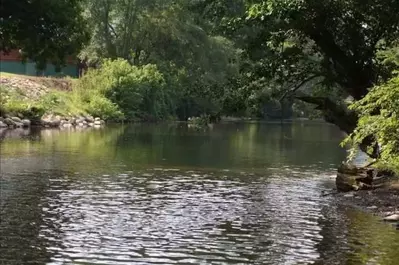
{"points": [[342, 117]]}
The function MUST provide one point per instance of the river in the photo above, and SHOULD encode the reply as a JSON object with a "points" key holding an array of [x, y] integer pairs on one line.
{"points": [[236, 193]]}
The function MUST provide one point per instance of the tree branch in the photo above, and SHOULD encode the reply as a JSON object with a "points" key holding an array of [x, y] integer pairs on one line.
{"points": [[345, 119], [113, 30], [292, 90], [334, 113]]}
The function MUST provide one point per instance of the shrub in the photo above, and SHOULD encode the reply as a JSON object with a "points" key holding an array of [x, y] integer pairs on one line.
{"points": [[133, 90], [102, 107], [379, 116]]}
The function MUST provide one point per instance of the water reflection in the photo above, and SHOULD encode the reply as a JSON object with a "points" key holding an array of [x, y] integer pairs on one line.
{"points": [[160, 195]]}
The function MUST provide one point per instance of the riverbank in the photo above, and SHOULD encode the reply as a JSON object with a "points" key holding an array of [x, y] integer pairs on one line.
{"points": [[42, 101], [382, 202]]}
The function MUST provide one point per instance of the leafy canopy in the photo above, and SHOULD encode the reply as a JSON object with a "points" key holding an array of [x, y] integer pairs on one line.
{"points": [[379, 116], [45, 30]]}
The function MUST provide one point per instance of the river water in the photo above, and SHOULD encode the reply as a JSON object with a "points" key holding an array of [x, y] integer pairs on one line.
{"points": [[168, 194]]}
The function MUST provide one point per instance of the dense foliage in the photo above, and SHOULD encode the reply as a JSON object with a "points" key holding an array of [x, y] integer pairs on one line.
{"points": [[379, 116], [44, 30], [139, 92]]}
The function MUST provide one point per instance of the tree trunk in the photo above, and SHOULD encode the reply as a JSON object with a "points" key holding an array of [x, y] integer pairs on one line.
{"points": [[345, 119]]}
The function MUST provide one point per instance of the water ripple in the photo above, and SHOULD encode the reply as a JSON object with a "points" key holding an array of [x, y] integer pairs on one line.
{"points": [[170, 217]]}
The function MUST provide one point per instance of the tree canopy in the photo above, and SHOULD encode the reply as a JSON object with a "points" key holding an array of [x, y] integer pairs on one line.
{"points": [[44, 30]]}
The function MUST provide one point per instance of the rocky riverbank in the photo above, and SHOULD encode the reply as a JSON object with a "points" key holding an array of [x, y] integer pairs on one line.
{"points": [[51, 121], [371, 189], [383, 202]]}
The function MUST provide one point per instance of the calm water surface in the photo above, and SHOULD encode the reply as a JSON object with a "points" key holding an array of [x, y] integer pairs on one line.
{"points": [[167, 194]]}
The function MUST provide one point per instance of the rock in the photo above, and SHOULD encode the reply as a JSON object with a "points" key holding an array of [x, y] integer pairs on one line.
{"points": [[91, 124], [67, 125], [26, 122], [45, 123], [97, 119], [55, 123], [1, 119], [97, 126], [72, 120], [349, 195], [392, 218], [19, 124], [352, 178], [9, 122], [84, 122], [345, 182], [16, 119], [89, 119], [372, 207], [3, 125], [79, 120], [98, 122], [81, 124]]}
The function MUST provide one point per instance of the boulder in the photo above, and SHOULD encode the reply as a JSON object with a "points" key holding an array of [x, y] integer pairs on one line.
{"points": [[72, 120], [90, 124], [26, 122], [392, 218], [79, 120], [55, 123], [89, 119], [98, 122], [3, 125], [97, 119], [9, 122], [19, 124], [1, 119], [67, 125], [352, 178], [16, 119]]}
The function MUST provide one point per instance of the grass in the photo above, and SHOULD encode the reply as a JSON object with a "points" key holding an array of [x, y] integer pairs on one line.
{"points": [[59, 98]]}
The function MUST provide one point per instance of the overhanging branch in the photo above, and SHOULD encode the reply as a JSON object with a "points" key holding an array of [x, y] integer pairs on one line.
{"points": [[298, 86], [334, 113], [345, 119]]}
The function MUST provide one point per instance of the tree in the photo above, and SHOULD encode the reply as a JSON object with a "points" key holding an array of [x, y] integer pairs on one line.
{"points": [[195, 64], [333, 42], [42, 29]]}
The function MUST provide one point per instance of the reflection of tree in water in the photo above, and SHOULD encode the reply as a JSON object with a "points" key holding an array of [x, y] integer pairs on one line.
{"points": [[21, 218]]}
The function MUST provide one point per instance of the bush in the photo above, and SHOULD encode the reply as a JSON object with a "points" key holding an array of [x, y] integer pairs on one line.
{"points": [[131, 90], [102, 107], [379, 112]]}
